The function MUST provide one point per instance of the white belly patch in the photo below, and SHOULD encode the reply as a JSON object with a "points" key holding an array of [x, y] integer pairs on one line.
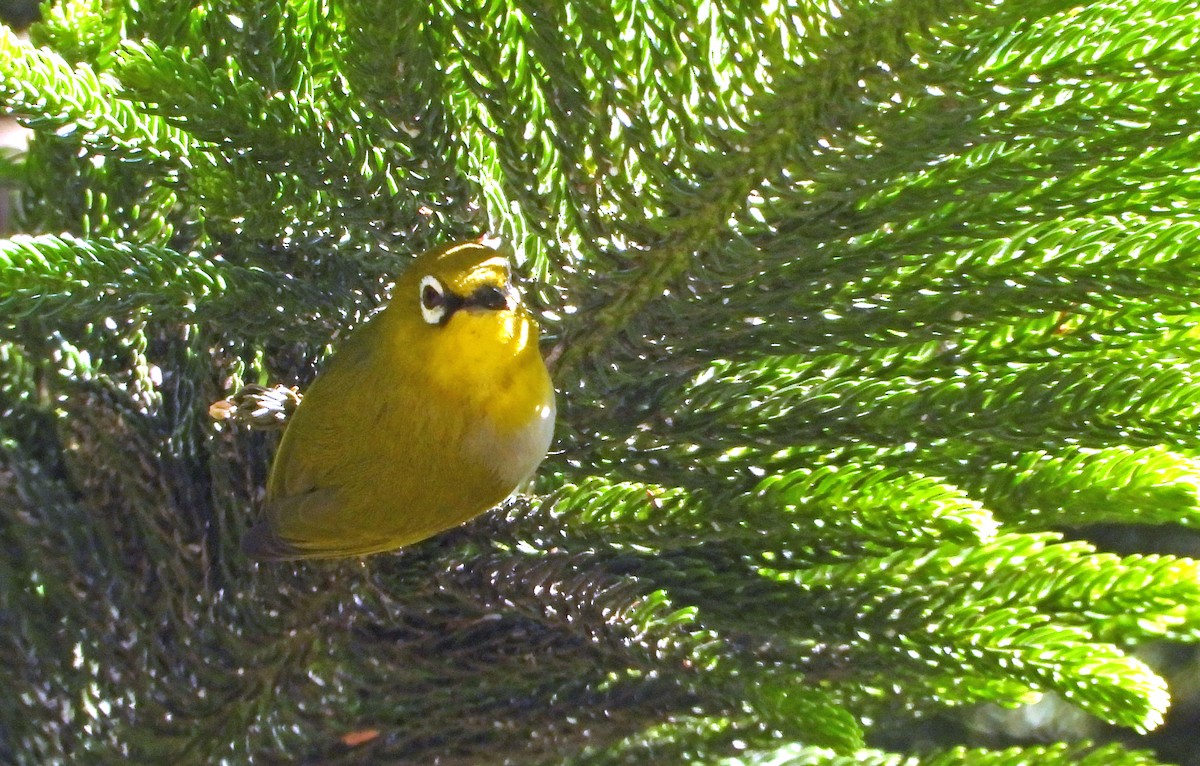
{"points": [[513, 456]]}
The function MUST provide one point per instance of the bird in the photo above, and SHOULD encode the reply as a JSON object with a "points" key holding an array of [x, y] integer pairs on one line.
{"points": [[436, 409]]}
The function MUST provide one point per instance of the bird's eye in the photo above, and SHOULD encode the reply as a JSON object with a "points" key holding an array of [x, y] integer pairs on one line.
{"points": [[433, 300], [430, 297]]}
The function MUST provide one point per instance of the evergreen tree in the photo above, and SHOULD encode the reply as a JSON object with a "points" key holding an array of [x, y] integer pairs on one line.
{"points": [[855, 308]]}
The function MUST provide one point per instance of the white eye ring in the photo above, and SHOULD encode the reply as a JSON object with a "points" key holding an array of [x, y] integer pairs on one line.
{"points": [[432, 297]]}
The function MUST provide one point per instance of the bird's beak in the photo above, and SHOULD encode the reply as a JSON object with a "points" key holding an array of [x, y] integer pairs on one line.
{"points": [[512, 296], [493, 298]]}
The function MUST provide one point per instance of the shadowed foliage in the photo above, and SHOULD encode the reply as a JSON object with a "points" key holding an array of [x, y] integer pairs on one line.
{"points": [[854, 307]]}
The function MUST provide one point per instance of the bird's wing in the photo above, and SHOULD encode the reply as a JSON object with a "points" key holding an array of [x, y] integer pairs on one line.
{"points": [[308, 526], [322, 443]]}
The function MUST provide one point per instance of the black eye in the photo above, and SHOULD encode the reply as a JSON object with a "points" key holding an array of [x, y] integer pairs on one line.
{"points": [[431, 297], [433, 300]]}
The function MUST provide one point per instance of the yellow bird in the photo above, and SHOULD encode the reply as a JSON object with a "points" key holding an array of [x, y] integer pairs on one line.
{"points": [[431, 413]]}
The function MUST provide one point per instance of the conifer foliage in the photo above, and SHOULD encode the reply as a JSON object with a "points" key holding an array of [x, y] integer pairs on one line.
{"points": [[855, 307]]}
